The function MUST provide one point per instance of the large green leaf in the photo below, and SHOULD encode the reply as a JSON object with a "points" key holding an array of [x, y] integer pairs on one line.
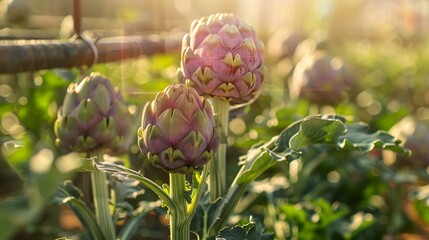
{"points": [[312, 130], [263, 162], [330, 130]]}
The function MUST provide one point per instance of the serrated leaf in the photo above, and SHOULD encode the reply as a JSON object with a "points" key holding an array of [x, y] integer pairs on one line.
{"points": [[258, 233], [358, 138], [249, 231], [235, 233]]}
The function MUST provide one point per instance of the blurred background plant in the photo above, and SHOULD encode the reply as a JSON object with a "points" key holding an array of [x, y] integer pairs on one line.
{"points": [[324, 195]]}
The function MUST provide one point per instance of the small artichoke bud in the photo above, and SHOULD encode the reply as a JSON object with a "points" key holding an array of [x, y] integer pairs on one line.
{"points": [[222, 58], [178, 131], [322, 80], [93, 116]]}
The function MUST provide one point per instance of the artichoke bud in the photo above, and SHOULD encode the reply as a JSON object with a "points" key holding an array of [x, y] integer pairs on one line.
{"points": [[322, 80], [218, 55], [93, 116], [178, 131]]}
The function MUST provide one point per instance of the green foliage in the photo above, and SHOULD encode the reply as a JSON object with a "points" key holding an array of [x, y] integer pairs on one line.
{"points": [[315, 219]]}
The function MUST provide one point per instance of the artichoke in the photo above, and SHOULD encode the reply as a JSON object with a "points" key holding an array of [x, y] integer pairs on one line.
{"points": [[93, 116], [178, 131], [221, 57], [322, 80]]}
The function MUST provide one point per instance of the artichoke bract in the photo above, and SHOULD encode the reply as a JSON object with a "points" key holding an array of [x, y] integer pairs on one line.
{"points": [[93, 116], [322, 80], [178, 131], [221, 57]]}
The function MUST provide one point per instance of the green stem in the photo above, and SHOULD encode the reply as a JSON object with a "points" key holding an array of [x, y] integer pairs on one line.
{"points": [[100, 193], [217, 166], [179, 221]]}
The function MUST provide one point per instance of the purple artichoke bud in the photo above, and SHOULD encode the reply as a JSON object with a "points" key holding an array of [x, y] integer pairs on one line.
{"points": [[178, 131], [93, 116], [414, 135], [221, 57], [322, 80]]}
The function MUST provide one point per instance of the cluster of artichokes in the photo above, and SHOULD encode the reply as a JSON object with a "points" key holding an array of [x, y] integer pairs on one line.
{"points": [[221, 58]]}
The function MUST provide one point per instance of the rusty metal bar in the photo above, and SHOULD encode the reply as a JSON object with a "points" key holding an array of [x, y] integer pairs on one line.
{"points": [[77, 17], [33, 55]]}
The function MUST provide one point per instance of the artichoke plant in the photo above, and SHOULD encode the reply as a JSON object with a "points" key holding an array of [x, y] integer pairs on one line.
{"points": [[221, 57], [93, 116], [178, 131], [322, 80]]}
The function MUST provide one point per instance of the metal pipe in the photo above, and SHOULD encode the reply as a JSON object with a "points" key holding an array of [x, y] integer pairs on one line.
{"points": [[33, 55]]}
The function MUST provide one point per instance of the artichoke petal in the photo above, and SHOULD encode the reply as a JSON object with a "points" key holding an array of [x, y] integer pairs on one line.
{"points": [[173, 160], [173, 125], [192, 146], [230, 36], [154, 140], [102, 98]]}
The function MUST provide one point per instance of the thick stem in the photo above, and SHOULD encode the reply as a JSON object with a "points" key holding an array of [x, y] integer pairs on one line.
{"points": [[179, 221], [217, 169], [100, 194]]}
